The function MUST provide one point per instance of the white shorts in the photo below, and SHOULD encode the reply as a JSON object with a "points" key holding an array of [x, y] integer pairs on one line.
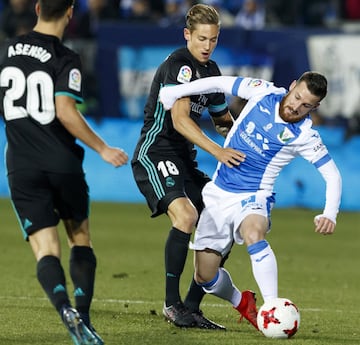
{"points": [[223, 213]]}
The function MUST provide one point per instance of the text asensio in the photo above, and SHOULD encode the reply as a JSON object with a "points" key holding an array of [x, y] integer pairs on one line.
{"points": [[36, 52]]}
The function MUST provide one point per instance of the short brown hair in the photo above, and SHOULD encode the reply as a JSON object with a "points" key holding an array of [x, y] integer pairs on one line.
{"points": [[201, 14], [315, 82]]}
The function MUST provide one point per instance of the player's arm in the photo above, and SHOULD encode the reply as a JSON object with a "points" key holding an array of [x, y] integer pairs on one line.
{"points": [[169, 94], [325, 222], [185, 125], [75, 123]]}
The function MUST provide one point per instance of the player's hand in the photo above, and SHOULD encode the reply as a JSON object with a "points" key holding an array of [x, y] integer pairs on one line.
{"points": [[222, 130], [324, 225], [230, 157], [114, 155], [167, 97]]}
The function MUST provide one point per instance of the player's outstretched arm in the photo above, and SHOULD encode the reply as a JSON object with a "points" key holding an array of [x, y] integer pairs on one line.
{"points": [[75, 123], [169, 94], [325, 223], [184, 124]]}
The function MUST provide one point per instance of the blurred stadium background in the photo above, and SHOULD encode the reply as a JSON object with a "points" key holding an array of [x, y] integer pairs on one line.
{"points": [[122, 56]]}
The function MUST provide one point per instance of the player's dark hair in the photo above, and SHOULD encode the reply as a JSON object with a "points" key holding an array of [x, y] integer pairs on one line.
{"points": [[54, 9], [201, 14], [316, 83]]}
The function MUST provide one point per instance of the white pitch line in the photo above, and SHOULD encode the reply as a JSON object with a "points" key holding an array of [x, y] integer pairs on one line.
{"points": [[127, 301]]}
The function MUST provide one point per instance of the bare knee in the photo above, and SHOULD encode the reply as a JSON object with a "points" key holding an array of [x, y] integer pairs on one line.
{"points": [[78, 233], [253, 229], [183, 215], [206, 265]]}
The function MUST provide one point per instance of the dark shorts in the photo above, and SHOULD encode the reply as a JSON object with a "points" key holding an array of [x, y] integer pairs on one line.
{"points": [[41, 199], [162, 179]]}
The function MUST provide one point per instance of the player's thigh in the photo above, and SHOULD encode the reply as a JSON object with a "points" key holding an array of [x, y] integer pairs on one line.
{"points": [[195, 180], [253, 217], [32, 198], [160, 179], [214, 230]]}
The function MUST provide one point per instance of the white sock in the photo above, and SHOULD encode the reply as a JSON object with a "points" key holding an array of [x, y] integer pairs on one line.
{"points": [[264, 267], [223, 287]]}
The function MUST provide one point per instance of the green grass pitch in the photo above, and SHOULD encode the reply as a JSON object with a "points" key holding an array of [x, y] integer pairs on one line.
{"points": [[319, 273]]}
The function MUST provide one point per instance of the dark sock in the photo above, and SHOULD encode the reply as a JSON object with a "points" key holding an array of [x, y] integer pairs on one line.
{"points": [[52, 279], [82, 272], [194, 296], [196, 293], [176, 250]]}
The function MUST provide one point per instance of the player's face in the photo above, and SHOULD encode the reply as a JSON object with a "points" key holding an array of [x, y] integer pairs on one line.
{"points": [[202, 41], [297, 104]]}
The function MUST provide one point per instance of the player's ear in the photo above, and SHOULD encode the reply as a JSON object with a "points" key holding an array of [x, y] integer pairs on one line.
{"points": [[69, 12], [37, 8], [292, 85], [187, 34]]}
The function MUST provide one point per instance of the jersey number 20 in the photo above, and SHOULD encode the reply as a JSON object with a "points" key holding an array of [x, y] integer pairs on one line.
{"points": [[38, 90]]}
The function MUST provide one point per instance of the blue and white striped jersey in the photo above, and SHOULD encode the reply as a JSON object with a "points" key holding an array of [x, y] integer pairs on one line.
{"points": [[268, 142]]}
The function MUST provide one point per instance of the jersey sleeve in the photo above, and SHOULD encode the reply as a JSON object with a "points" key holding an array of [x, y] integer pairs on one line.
{"points": [[237, 86], [316, 153], [69, 79], [179, 71], [313, 149]]}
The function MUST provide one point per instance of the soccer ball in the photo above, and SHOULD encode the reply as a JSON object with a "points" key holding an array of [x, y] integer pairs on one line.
{"points": [[278, 318]]}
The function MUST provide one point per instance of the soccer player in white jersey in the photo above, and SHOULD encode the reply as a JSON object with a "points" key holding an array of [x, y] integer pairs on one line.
{"points": [[272, 129]]}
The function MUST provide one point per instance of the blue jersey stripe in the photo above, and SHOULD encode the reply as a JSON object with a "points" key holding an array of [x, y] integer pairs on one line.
{"points": [[236, 86], [322, 161]]}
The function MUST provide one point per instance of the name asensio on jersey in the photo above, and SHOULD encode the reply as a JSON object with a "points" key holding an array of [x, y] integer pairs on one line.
{"points": [[29, 50]]}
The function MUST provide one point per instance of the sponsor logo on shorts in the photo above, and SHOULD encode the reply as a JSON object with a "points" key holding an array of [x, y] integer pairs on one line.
{"points": [[170, 182]]}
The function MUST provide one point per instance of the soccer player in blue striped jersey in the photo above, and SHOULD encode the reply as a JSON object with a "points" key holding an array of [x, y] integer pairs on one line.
{"points": [[272, 129]]}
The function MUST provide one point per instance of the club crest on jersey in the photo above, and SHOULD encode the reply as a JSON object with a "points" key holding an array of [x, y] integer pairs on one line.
{"points": [[286, 135], [75, 79], [184, 75]]}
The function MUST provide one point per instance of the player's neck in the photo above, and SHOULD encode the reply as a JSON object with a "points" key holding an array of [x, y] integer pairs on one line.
{"points": [[50, 28]]}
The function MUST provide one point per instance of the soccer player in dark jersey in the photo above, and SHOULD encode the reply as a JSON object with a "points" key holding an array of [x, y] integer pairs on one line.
{"points": [[40, 83], [164, 164]]}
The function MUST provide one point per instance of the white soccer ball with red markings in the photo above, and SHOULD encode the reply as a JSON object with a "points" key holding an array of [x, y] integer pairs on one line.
{"points": [[278, 318]]}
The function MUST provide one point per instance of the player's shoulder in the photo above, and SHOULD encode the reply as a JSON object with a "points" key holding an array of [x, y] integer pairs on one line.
{"points": [[180, 56], [307, 132]]}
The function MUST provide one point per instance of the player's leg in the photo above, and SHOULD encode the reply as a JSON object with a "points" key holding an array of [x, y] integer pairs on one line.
{"points": [[72, 203], [264, 266], [33, 203], [183, 216], [194, 185], [221, 285], [46, 248], [164, 193]]}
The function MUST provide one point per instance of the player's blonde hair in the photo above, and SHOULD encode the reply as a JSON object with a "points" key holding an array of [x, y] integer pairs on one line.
{"points": [[202, 14]]}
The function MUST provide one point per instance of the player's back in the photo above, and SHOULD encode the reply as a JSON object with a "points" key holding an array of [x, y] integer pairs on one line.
{"points": [[34, 68]]}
